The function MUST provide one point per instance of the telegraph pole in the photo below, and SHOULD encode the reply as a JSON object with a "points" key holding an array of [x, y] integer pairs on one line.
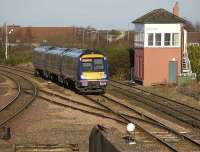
{"points": [[107, 37], [7, 43], [6, 52], [128, 32]]}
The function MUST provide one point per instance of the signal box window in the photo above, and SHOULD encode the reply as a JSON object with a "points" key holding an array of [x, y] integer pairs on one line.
{"points": [[175, 39], [167, 39], [150, 39], [158, 39]]}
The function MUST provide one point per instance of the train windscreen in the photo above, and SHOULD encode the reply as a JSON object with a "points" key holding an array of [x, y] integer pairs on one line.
{"points": [[95, 65]]}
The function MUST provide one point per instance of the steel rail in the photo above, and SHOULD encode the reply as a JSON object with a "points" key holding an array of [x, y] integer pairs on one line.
{"points": [[90, 106], [17, 95], [34, 95], [166, 109], [154, 94], [163, 126]]}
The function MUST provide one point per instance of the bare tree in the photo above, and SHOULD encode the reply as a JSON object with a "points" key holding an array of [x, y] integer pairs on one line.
{"points": [[28, 36], [197, 27]]}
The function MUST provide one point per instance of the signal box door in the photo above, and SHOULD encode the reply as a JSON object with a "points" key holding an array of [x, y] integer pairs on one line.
{"points": [[172, 71]]}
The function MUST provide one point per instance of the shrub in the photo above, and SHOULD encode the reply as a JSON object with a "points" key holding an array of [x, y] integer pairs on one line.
{"points": [[2, 55], [192, 89], [16, 55], [194, 55], [118, 60]]}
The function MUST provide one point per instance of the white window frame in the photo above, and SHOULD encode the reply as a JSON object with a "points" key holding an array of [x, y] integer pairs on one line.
{"points": [[171, 45], [158, 41], [167, 41], [175, 43], [150, 41]]}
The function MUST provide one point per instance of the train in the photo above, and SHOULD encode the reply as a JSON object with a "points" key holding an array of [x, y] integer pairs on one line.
{"points": [[84, 70]]}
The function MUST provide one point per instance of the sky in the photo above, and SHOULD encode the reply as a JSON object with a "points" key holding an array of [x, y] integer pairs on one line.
{"points": [[101, 14]]}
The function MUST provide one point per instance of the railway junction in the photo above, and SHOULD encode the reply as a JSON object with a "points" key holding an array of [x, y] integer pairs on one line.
{"points": [[39, 115]]}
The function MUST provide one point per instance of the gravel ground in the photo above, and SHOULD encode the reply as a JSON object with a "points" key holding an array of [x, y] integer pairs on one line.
{"points": [[7, 91], [2, 79], [165, 119], [173, 93], [45, 123]]}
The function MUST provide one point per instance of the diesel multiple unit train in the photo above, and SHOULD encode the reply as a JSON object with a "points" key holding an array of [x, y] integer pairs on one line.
{"points": [[84, 70]]}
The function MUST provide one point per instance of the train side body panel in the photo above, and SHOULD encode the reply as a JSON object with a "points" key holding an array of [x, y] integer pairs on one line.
{"points": [[53, 61], [38, 57], [69, 67]]}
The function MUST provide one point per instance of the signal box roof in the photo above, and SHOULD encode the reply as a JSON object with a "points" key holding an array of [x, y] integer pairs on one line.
{"points": [[157, 16]]}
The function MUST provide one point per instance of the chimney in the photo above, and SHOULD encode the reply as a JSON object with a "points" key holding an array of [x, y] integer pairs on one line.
{"points": [[176, 9]]}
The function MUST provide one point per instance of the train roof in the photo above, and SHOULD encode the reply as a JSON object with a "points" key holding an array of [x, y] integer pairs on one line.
{"points": [[72, 52], [44, 48], [56, 50], [79, 52]]}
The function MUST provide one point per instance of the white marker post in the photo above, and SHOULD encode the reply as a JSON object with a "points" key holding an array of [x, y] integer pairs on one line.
{"points": [[131, 128]]}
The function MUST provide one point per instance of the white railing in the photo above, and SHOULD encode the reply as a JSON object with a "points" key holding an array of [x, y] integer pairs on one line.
{"points": [[139, 44], [186, 65]]}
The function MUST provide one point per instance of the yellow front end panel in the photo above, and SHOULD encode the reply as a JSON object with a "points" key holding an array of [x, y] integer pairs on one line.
{"points": [[93, 75], [92, 56]]}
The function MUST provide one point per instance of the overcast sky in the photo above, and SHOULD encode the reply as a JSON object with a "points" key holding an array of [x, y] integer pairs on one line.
{"points": [[97, 13]]}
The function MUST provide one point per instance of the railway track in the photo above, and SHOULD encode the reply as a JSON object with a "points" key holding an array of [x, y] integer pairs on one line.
{"points": [[21, 101], [19, 69], [88, 108], [167, 136], [94, 110], [18, 88], [170, 107]]}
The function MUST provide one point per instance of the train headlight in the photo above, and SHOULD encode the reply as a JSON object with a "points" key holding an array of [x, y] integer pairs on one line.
{"points": [[82, 76], [104, 76]]}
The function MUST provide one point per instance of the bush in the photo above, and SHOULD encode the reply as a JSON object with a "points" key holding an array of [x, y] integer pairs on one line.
{"points": [[118, 60], [2, 55], [194, 55], [17, 55], [192, 89]]}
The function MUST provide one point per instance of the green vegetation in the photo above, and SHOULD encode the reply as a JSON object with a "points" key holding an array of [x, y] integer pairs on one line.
{"points": [[16, 55], [118, 60], [194, 55], [192, 89], [1, 53]]}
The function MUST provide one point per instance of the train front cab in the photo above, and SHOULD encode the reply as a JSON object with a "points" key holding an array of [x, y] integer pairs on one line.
{"points": [[93, 73]]}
